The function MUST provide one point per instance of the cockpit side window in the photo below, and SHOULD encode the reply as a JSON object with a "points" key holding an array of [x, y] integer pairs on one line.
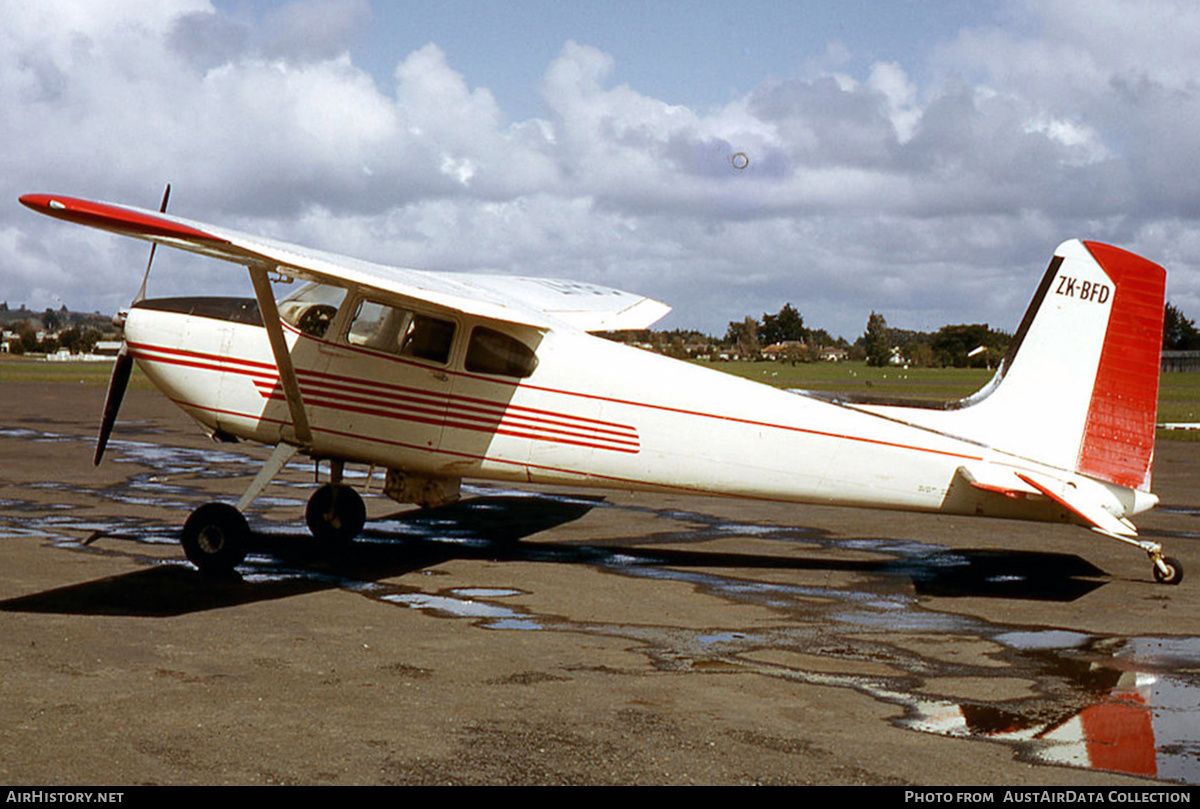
{"points": [[428, 338], [494, 352], [377, 326], [312, 308], [396, 330]]}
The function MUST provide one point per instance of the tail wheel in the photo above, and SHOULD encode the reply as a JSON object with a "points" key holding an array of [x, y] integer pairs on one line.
{"points": [[335, 514], [215, 538], [1173, 574]]}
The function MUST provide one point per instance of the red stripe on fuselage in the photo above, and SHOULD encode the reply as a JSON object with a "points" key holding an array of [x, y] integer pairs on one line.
{"points": [[431, 414], [401, 403], [466, 402], [523, 465], [469, 404], [649, 406], [624, 402]]}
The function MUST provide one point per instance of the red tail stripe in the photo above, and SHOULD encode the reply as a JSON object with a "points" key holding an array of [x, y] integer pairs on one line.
{"points": [[1118, 443]]}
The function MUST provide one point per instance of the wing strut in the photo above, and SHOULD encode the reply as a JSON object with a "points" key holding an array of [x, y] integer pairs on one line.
{"points": [[287, 373]]}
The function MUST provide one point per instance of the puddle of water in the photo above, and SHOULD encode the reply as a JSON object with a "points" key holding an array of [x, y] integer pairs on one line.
{"points": [[1125, 705], [454, 607], [484, 592], [1144, 727], [1177, 652], [1043, 639]]}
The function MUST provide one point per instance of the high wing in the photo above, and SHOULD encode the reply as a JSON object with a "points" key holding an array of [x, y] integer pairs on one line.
{"points": [[537, 302]]}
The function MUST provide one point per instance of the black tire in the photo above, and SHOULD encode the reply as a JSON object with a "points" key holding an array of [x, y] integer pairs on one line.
{"points": [[1174, 573], [335, 514], [215, 538]]}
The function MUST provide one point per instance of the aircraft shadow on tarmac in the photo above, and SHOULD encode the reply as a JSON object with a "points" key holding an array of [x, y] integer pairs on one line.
{"points": [[286, 564]]}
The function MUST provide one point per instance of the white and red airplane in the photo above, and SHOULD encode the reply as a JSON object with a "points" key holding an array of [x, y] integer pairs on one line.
{"points": [[441, 376]]}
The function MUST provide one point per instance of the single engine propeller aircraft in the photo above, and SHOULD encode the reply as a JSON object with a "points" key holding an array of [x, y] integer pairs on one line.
{"points": [[441, 376]]}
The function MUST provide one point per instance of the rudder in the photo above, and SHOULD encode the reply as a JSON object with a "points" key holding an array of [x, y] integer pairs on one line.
{"points": [[1118, 441]]}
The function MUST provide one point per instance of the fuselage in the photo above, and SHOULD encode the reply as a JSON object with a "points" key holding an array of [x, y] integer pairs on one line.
{"points": [[577, 409]]}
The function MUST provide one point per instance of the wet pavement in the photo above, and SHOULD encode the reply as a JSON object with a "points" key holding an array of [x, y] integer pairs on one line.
{"points": [[1044, 642]]}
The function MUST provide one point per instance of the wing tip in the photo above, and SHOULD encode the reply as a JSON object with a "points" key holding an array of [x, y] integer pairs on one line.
{"points": [[118, 218]]}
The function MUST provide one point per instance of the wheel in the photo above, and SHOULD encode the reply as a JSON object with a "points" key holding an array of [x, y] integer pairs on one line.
{"points": [[215, 537], [335, 513], [1174, 573]]}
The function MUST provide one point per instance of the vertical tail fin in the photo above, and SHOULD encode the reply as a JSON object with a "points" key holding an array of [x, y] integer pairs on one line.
{"points": [[1079, 387]]}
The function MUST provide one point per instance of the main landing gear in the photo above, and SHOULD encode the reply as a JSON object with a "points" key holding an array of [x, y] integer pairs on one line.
{"points": [[215, 538], [335, 514], [216, 535]]}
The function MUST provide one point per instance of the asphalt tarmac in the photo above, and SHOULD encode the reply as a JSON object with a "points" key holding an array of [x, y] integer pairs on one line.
{"points": [[558, 636]]}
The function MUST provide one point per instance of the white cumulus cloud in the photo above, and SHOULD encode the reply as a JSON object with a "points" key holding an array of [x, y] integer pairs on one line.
{"points": [[932, 191]]}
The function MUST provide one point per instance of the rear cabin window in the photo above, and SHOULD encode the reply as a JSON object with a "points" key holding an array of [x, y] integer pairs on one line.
{"points": [[493, 352], [400, 331]]}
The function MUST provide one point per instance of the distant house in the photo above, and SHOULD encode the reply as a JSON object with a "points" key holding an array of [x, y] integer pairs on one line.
{"points": [[107, 348], [1180, 361], [785, 350]]}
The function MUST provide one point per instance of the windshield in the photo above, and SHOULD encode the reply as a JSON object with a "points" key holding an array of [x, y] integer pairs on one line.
{"points": [[311, 308]]}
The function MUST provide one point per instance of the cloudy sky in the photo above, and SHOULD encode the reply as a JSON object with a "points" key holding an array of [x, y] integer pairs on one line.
{"points": [[920, 159]]}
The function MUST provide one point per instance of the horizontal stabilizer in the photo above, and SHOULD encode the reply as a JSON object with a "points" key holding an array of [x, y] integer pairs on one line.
{"points": [[1089, 500], [1001, 480], [1094, 505]]}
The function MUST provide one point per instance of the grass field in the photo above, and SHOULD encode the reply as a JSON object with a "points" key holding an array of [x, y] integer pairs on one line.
{"points": [[1178, 394], [923, 383], [30, 369]]}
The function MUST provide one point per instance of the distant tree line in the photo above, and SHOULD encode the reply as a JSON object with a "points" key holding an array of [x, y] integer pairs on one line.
{"points": [[963, 345], [784, 331], [783, 336], [27, 332], [959, 346]]}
